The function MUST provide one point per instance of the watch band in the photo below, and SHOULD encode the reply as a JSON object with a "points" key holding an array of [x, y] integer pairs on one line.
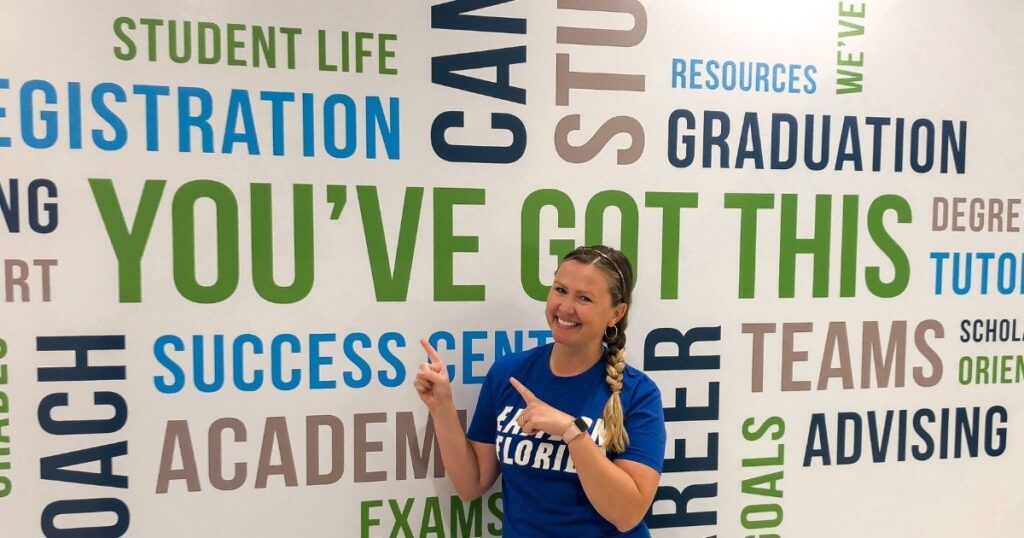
{"points": [[575, 429]]}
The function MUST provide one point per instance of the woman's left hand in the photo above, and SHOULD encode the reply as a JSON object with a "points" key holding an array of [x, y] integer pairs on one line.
{"points": [[539, 416]]}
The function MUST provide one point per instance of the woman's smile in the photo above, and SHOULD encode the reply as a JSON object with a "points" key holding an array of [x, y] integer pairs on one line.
{"points": [[579, 308]]}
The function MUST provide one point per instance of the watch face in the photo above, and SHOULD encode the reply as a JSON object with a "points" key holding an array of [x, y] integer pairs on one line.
{"points": [[581, 424]]}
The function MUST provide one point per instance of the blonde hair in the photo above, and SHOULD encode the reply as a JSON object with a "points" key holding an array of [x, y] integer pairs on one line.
{"points": [[616, 267]]}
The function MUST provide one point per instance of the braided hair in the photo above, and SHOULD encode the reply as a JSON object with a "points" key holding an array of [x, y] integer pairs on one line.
{"points": [[619, 272]]}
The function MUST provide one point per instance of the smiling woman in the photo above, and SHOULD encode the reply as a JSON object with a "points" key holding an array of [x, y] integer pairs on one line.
{"points": [[579, 310], [569, 420]]}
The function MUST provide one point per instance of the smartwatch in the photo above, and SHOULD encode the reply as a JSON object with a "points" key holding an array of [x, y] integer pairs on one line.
{"points": [[574, 430]]}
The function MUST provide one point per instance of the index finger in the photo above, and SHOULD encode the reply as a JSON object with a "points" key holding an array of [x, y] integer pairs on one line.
{"points": [[431, 352], [526, 393]]}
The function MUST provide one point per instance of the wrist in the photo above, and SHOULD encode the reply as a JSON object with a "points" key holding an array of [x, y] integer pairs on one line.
{"points": [[443, 408], [576, 429]]}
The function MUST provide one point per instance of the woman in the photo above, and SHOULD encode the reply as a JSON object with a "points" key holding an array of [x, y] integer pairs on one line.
{"points": [[578, 435]]}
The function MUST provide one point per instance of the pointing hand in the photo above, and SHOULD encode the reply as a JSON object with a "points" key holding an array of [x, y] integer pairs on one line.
{"points": [[432, 381], [539, 416]]}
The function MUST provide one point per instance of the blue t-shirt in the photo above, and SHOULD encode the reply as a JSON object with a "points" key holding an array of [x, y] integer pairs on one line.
{"points": [[542, 493]]}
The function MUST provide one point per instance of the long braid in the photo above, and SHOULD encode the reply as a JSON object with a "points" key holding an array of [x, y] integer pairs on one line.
{"points": [[619, 271], [616, 436]]}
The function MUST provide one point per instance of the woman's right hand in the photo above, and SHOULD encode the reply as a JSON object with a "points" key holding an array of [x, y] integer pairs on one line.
{"points": [[432, 381]]}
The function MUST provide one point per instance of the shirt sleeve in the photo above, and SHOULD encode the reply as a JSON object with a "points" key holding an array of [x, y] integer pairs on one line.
{"points": [[482, 428], [645, 423]]}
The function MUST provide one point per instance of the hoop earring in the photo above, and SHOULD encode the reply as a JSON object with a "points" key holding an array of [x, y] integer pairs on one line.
{"points": [[614, 335]]}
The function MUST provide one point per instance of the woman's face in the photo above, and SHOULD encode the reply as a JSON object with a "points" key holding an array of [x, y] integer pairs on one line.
{"points": [[579, 306]]}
